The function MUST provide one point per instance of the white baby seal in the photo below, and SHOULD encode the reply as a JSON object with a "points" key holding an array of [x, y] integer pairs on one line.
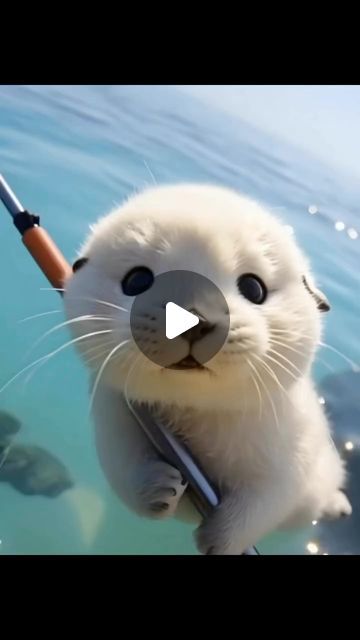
{"points": [[251, 416]]}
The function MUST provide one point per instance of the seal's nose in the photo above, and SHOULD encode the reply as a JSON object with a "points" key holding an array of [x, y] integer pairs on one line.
{"points": [[200, 330]]}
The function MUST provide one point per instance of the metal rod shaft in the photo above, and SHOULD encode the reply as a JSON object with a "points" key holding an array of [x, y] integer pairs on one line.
{"points": [[9, 199]]}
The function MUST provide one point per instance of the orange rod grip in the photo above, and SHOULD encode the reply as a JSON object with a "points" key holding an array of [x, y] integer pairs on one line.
{"points": [[47, 255]]}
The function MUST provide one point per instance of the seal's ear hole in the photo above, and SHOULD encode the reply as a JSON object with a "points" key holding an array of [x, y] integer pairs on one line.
{"points": [[321, 300], [79, 263]]}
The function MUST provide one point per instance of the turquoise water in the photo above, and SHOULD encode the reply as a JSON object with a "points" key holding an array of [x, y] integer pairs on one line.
{"points": [[70, 153]]}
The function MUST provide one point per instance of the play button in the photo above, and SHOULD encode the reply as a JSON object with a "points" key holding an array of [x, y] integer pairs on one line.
{"points": [[180, 322]]}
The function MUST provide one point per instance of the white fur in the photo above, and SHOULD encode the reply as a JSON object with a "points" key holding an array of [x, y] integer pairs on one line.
{"points": [[252, 418]]}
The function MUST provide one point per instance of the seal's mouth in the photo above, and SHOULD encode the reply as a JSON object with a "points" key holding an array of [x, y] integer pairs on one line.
{"points": [[187, 363]]}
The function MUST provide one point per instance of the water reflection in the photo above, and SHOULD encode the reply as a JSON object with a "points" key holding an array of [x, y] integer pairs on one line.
{"points": [[341, 393]]}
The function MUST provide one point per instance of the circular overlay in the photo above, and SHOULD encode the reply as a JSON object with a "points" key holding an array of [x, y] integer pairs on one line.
{"points": [[187, 307]]}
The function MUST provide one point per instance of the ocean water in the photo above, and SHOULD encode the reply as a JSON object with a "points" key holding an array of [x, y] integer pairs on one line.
{"points": [[70, 153]]}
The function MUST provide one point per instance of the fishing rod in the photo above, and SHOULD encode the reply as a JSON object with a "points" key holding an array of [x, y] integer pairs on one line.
{"points": [[57, 270], [36, 239]]}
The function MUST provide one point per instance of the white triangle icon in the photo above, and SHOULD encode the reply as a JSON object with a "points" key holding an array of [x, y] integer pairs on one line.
{"points": [[178, 320]]}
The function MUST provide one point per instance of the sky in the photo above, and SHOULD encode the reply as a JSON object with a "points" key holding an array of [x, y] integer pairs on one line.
{"points": [[322, 119]]}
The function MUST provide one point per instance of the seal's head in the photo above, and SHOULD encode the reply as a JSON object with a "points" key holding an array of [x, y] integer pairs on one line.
{"points": [[249, 255]]}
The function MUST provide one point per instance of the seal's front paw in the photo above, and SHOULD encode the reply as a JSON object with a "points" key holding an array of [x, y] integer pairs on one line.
{"points": [[213, 537], [158, 489], [338, 506]]}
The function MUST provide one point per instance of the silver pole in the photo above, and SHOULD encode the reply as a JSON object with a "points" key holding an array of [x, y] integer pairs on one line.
{"points": [[9, 198]]}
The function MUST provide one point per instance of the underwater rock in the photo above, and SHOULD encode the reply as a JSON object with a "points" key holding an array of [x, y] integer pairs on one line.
{"points": [[342, 404], [9, 426], [34, 471]]}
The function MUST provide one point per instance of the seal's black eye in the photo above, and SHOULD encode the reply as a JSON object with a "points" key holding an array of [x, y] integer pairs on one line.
{"points": [[78, 264], [252, 288], [137, 281]]}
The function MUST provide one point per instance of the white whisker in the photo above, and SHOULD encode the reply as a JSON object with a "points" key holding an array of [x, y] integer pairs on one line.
{"points": [[355, 367], [101, 370], [256, 386], [101, 350], [286, 346], [50, 355], [32, 373], [283, 344], [285, 331], [274, 376], [269, 398], [68, 322], [108, 304], [276, 353], [39, 315], [105, 343], [126, 386], [279, 364], [150, 172], [97, 356], [126, 356]]}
